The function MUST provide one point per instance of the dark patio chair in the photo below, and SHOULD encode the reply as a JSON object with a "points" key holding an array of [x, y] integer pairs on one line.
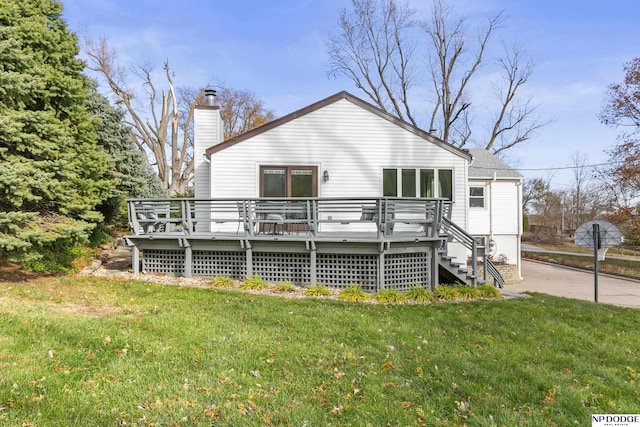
{"points": [[271, 216], [245, 216]]}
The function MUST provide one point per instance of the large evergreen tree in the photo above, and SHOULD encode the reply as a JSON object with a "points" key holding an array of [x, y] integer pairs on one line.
{"points": [[53, 174]]}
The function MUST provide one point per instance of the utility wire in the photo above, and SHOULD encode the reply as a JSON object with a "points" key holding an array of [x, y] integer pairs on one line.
{"points": [[595, 165]]}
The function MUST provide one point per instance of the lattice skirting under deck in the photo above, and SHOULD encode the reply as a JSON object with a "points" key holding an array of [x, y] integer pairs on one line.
{"points": [[163, 261], [405, 270], [212, 264], [340, 271], [399, 271], [282, 267]]}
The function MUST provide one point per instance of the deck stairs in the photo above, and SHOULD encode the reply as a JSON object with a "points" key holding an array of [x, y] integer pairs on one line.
{"points": [[454, 272]]}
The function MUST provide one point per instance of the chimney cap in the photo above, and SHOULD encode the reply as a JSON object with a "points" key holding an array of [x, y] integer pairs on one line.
{"points": [[210, 97]]}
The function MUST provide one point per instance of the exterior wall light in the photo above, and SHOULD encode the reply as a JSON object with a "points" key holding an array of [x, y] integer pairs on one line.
{"points": [[325, 175]]}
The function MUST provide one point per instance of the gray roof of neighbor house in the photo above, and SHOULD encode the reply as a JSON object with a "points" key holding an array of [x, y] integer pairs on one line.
{"points": [[330, 100], [487, 165]]}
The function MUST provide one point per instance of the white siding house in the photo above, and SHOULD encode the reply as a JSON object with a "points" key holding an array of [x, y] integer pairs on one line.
{"points": [[344, 147]]}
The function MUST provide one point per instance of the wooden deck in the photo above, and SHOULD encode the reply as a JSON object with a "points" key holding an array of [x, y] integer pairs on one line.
{"points": [[376, 242]]}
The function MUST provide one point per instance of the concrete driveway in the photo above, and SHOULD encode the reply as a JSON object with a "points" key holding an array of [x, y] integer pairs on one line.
{"points": [[572, 283]]}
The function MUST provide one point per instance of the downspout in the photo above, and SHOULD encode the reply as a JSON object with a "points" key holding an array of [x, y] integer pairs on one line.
{"points": [[495, 178], [207, 159], [520, 231], [491, 242]]}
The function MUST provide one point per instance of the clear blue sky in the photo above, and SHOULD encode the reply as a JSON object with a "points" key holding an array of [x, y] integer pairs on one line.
{"points": [[276, 50]]}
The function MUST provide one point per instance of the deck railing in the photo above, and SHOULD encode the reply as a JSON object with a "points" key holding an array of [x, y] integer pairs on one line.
{"points": [[308, 218]]}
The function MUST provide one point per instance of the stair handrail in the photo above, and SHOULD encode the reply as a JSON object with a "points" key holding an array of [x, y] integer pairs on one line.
{"points": [[460, 235], [498, 280]]}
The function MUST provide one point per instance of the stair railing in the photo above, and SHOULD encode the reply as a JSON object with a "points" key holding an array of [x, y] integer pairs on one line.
{"points": [[498, 280], [456, 233]]}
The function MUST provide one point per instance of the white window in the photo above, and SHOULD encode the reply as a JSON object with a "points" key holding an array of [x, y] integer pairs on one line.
{"points": [[413, 182], [476, 197]]}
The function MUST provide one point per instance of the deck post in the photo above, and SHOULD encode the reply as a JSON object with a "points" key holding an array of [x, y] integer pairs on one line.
{"points": [[313, 261], [135, 260], [188, 258], [381, 272], [434, 266], [249, 257]]}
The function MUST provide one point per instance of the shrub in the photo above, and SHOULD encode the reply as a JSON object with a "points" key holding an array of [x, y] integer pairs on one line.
{"points": [[100, 235], [254, 283], [501, 259], [488, 291], [467, 292], [60, 256], [389, 296], [285, 287], [222, 282], [317, 291], [420, 294], [447, 292], [353, 293]]}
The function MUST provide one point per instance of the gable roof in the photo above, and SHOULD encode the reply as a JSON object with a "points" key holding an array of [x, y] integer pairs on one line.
{"points": [[330, 100], [486, 165]]}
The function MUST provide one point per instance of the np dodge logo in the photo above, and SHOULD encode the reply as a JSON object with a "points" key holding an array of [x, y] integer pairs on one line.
{"points": [[612, 420]]}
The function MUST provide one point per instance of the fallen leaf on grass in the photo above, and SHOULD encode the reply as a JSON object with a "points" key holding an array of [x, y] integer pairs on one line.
{"points": [[212, 412]]}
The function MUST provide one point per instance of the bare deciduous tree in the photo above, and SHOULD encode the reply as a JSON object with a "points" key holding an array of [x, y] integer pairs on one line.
{"points": [[516, 120], [621, 109], [159, 136], [582, 182], [453, 64], [376, 46], [241, 111], [533, 190], [372, 48], [161, 123]]}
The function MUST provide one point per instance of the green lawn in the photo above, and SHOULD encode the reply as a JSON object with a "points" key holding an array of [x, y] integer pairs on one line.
{"points": [[80, 351]]}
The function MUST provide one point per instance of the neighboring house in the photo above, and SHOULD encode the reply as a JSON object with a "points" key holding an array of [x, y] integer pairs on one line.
{"points": [[495, 206], [345, 147]]}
